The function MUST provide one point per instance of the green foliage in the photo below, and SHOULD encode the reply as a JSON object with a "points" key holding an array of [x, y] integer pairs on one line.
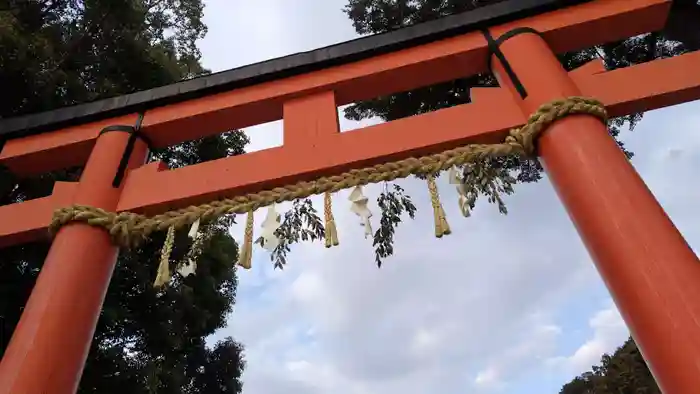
{"points": [[393, 203], [487, 178], [681, 25], [622, 372], [61, 52], [301, 223], [493, 177]]}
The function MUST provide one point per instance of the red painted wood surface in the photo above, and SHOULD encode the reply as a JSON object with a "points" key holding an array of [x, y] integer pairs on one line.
{"points": [[566, 29], [154, 189], [650, 270], [50, 344]]}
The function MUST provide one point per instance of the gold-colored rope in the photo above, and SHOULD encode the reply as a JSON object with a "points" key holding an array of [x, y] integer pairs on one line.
{"points": [[331, 230], [163, 275], [245, 255], [129, 229], [441, 225]]}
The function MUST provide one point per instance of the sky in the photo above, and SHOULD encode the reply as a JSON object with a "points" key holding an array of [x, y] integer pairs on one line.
{"points": [[505, 304]]}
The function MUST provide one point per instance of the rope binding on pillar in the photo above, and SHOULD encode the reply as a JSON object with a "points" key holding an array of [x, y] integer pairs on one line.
{"points": [[134, 133], [130, 230]]}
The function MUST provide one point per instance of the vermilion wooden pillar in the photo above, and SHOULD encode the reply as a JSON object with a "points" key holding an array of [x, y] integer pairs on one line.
{"points": [[651, 272], [50, 344]]}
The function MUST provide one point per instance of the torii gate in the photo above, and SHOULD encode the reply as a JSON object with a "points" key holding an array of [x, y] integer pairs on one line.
{"points": [[652, 274]]}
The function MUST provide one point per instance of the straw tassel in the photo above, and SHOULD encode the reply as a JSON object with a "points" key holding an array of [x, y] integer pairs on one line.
{"points": [[331, 230], [441, 225], [245, 256], [163, 276]]}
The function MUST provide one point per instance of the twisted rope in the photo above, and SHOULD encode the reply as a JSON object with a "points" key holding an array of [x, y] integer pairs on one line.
{"points": [[163, 275], [245, 257], [331, 230], [129, 229], [441, 225]]}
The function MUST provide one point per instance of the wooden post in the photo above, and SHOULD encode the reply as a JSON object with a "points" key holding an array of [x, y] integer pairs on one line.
{"points": [[50, 344], [651, 272]]}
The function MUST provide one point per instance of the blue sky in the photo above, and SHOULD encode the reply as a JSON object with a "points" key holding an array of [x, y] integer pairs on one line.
{"points": [[506, 304]]}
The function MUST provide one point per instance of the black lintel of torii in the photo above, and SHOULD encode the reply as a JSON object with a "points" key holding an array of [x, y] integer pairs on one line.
{"points": [[282, 67], [683, 25]]}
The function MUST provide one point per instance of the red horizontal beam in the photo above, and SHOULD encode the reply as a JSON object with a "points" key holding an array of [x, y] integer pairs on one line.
{"points": [[69, 147], [154, 188], [484, 120], [666, 82], [574, 28], [29, 221], [648, 86]]}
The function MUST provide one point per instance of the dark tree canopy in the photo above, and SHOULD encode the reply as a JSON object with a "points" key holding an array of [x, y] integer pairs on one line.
{"points": [[622, 372], [490, 178], [55, 53]]}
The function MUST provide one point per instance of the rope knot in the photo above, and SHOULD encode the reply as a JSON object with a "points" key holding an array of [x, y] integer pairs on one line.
{"points": [[124, 229]]}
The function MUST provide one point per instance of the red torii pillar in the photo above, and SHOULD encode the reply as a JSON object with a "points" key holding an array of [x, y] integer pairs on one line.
{"points": [[649, 269], [50, 344]]}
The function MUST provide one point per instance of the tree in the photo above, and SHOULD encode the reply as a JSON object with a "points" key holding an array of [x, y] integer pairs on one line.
{"points": [[680, 26], [55, 53], [491, 177], [620, 373]]}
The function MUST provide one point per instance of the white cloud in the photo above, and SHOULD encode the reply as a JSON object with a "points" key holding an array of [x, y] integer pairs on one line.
{"points": [[609, 332], [477, 310], [435, 315], [532, 349], [243, 32]]}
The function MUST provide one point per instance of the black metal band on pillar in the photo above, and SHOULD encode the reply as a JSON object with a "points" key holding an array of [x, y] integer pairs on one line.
{"points": [[517, 31], [134, 133], [494, 49]]}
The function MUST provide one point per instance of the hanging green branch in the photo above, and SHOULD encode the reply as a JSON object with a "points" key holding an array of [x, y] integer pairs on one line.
{"points": [[301, 223], [393, 203], [485, 178], [488, 179]]}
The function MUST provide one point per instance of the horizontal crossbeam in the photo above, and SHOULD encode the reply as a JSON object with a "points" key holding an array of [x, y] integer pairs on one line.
{"points": [[29, 221], [154, 189], [486, 120], [568, 29]]}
